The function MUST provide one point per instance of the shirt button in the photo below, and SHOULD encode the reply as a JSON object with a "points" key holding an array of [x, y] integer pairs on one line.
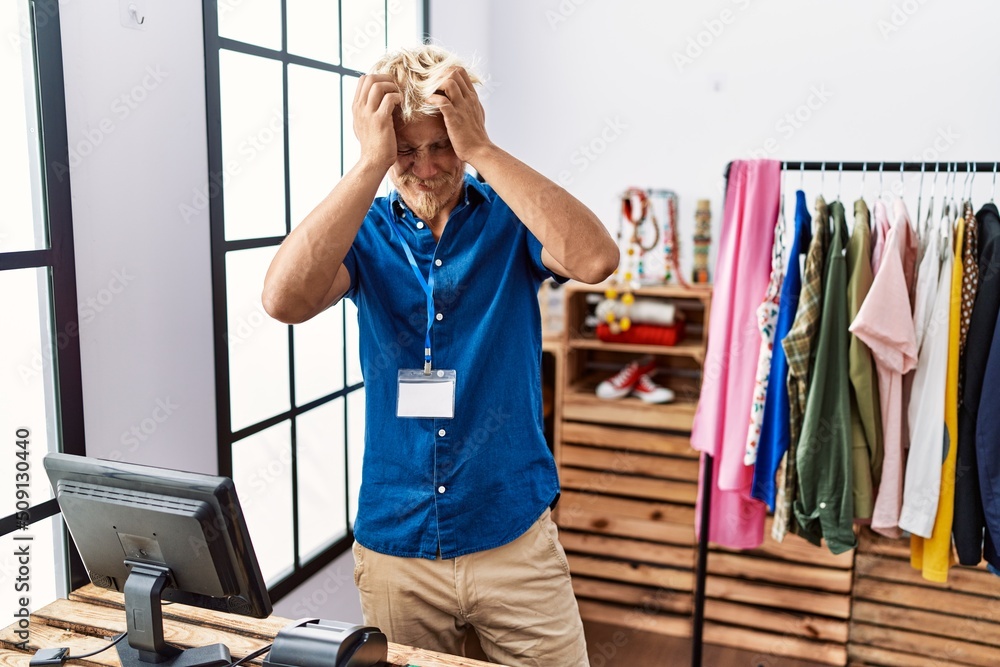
{"points": [[441, 489], [441, 432], [420, 225], [438, 262], [439, 317], [822, 506]]}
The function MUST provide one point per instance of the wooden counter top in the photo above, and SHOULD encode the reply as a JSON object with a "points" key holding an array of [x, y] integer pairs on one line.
{"points": [[91, 615]]}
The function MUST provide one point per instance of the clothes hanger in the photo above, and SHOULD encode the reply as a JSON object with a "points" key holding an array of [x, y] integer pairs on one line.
{"points": [[881, 180], [965, 184], [902, 182], [802, 175], [822, 179], [944, 197], [972, 182], [920, 192], [928, 217], [781, 192], [778, 257], [840, 179], [944, 228], [954, 182], [994, 190]]}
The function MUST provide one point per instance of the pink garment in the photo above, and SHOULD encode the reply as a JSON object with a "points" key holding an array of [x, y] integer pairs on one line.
{"points": [[906, 237], [908, 245], [880, 229], [885, 324], [720, 422]]}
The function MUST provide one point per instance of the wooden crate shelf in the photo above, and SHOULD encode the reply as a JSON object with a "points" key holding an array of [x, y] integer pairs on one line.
{"points": [[702, 294], [658, 600], [581, 404], [628, 473], [692, 350], [635, 440], [768, 645], [899, 618]]}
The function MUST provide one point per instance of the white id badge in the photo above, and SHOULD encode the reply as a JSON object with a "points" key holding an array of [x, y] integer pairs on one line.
{"points": [[426, 395]]}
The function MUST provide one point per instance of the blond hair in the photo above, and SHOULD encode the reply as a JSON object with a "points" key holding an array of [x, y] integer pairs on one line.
{"points": [[419, 72]]}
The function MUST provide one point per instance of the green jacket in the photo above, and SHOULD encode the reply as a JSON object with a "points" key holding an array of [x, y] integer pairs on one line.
{"points": [[824, 507]]}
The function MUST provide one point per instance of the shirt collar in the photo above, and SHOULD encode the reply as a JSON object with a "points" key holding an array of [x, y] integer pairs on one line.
{"points": [[474, 193]]}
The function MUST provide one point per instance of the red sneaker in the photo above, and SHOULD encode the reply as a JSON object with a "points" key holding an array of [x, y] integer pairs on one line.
{"points": [[622, 383], [651, 392]]}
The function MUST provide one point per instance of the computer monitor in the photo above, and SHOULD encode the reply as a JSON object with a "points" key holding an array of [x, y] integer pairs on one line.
{"points": [[157, 534]]}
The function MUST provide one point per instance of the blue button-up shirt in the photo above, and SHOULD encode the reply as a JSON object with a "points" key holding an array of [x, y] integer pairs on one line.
{"points": [[481, 479]]}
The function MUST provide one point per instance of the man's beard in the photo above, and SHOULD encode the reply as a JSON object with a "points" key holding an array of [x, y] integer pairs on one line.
{"points": [[426, 204]]}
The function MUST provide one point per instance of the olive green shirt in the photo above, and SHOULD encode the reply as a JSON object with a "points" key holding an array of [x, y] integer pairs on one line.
{"points": [[866, 412], [824, 507]]}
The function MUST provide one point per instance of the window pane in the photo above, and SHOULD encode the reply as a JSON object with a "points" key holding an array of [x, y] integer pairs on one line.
{"points": [[319, 355], [262, 471], [251, 21], [364, 32], [322, 478], [313, 137], [314, 30], [22, 225], [27, 397], [46, 564], [253, 145], [258, 345], [403, 23], [355, 446], [352, 147], [353, 358]]}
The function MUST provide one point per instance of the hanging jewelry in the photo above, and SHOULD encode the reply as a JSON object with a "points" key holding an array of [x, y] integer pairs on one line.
{"points": [[628, 275]]}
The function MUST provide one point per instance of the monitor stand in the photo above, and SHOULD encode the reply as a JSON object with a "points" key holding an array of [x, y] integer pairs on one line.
{"points": [[145, 645]]}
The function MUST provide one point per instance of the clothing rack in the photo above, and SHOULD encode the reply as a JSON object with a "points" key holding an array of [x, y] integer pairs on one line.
{"points": [[791, 166]]}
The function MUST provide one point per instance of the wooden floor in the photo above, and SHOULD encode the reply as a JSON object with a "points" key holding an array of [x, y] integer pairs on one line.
{"points": [[616, 646]]}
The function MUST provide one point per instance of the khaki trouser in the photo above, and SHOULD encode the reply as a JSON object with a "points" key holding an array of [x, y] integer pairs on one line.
{"points": [[517, 597]]}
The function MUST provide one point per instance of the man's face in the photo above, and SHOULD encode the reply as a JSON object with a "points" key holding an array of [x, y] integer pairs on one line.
{"points": [[427, 173]]}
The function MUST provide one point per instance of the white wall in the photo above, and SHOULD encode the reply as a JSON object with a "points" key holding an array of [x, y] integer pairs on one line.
{"points": [[135, 112], [889, 80]]}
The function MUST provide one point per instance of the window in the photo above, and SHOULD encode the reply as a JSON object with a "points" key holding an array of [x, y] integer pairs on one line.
{"points": [[41, 404], [281, 76]]}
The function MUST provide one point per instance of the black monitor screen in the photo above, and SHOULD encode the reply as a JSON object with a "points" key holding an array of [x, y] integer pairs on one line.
{"points": [[124, 515]]}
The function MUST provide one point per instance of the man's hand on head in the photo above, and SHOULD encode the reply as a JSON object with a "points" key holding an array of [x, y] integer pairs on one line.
{"points": [[375, 100], [463, 113]]}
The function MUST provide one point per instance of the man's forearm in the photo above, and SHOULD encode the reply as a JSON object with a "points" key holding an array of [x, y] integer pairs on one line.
{"points": [[567, 229], [302, 279]]}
